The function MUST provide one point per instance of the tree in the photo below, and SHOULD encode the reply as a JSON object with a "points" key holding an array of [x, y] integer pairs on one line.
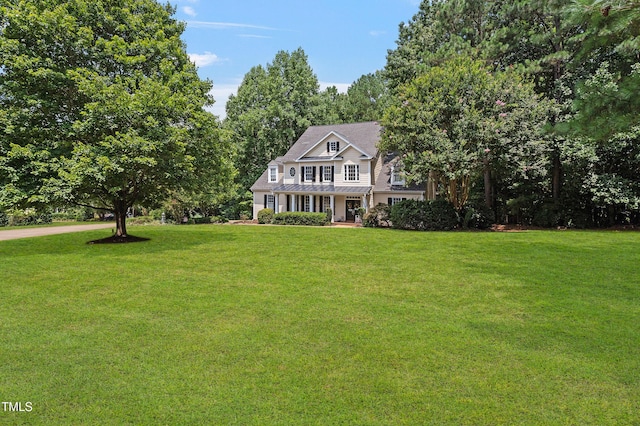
{"points": [[274, 105], [102, 106], [367, 98], [459, 121]]}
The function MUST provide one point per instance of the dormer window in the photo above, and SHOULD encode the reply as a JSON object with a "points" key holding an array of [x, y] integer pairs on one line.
{"points": [[273, 174], [397, 176], [333, 146]]}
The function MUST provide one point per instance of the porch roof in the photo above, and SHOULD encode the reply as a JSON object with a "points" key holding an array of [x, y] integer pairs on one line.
{"points": [[325, 189]]}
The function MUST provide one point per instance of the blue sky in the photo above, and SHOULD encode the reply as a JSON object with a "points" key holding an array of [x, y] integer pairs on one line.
{"points": [[343, 39]]}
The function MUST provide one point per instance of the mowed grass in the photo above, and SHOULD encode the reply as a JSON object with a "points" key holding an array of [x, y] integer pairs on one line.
{"points": [[288, 325]]}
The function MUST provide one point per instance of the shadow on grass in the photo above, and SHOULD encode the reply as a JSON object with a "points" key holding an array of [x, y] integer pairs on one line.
{"points": [[114, 239], [156, 239]]}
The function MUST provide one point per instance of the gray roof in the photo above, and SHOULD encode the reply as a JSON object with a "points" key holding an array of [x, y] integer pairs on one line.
{"points": [[308, 189], [363, 135], [383, 180]]}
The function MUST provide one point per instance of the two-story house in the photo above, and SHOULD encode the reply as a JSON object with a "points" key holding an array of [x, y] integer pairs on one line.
{"points": [[335, 167]]}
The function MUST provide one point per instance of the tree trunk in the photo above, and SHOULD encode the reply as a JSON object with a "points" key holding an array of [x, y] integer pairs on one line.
{"points": [[556, 178], [120, 212], [487, 184]]}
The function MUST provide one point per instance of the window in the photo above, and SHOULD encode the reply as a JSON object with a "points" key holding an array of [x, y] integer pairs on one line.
{"points": [[308, 174], [327, 174], [333, 146], [326, 203], [397, 177], [273, 174], [351, 172], [306, 200], [270, 202], [394, 200]]}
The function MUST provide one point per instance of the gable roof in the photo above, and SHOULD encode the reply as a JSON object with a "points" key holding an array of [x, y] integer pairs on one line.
{"points": [[363, 136]]}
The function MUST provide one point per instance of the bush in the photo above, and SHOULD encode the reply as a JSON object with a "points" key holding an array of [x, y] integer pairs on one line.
{"points": [[435, 215], [265, 216], [4, 219], [140, 220], [300, 218], [478, 216], [25, 217], [377, 217]]}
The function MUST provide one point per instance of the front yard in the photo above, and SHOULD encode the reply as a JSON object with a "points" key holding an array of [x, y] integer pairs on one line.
{"points": [[294, 325]]}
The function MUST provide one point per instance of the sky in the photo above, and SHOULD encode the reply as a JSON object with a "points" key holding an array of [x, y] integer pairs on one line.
{"points": [[343, 39]]}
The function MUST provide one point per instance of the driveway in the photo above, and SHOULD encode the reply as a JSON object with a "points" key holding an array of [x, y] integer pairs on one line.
{"points": [[14, 234]]}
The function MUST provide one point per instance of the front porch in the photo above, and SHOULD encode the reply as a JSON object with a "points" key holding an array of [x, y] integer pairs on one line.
{"points": [[343, 201]]}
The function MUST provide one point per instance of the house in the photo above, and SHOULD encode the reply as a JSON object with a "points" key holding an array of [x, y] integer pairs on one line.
{"points": [[337, 167]]}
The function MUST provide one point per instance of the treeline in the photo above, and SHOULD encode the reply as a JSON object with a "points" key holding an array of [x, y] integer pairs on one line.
{"points": [[528, 108]]}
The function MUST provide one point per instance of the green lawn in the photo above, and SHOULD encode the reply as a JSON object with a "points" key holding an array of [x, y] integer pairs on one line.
{"points": [[289, 325]]}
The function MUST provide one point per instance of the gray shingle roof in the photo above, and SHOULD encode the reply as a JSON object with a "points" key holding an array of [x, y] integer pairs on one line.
{"points": [[363, 135], [308, 189]]}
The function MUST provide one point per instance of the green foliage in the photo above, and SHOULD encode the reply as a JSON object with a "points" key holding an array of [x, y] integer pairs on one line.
{"points": [[272, 108], [377, 217], [112, 116], [478, 216], [430, 215], [25, 217], [458, 120], [265, 216], [300, 218]]}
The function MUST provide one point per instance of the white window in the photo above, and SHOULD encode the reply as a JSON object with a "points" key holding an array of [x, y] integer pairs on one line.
{"points": [[326, 203], [334, 146], [273, 174], [351, 172], [308, 174], [394, 200], [271, 202], [327, 176], [306, 200], [397, 176]]}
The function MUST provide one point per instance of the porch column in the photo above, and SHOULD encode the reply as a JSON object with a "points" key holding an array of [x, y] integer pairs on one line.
{"points": [[276, 207], [311, 200], [294, 197], [364, 202], [333, 208]]}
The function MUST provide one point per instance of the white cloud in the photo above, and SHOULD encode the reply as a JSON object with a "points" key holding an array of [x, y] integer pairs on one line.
{"points": [[221, 95], [205, 59], [188, 10], [374, 33], [225, 25], [342, 87]]}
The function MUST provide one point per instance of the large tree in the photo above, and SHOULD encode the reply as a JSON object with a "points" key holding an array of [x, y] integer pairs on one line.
{"points": [[458, 121], [101, 106], [272, 108]]}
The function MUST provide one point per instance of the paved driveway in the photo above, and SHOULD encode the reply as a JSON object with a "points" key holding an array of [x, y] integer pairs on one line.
{"points": [[14, 234]]}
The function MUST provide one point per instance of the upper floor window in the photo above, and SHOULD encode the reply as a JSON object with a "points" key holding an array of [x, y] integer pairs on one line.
{"points": [[351, 172], [327, 174], [397, 176], [309, 174], [273, 174], [333, 146]]}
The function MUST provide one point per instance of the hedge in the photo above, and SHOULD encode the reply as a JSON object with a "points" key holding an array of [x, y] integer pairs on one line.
{"points": [[300, 218], [431, 215]]}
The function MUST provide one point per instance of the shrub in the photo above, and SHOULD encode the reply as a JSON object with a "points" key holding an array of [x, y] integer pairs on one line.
{"points": [[4, 219], [26, 217], [478, 216], [433, 215], [377, 217], [329, 214], [300, 218], [140, 220], [265, 216]]}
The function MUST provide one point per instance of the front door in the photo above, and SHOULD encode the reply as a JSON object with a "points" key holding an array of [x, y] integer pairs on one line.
{"points": [[352, 209]]}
